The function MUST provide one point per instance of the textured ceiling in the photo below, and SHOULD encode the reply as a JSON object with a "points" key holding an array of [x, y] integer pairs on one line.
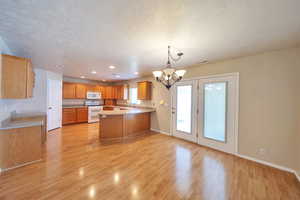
{"points": [[85, 35]]}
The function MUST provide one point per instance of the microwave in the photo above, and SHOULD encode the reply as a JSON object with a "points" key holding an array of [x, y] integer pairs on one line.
{"points": [[93, 95]]}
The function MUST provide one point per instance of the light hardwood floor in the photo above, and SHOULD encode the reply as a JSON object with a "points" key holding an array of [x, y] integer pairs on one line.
{"points": [[76, 166]]}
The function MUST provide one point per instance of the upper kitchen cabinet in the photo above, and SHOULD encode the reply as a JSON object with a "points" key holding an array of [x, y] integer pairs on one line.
{"points": [[80, 91], [69, 90], [16, 77], [92, 88], [101, 89], [121, 92], [144, 90], [109, 92]]}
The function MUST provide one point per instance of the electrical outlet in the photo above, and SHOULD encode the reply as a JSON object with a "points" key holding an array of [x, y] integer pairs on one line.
{"points": [[262, 151]]}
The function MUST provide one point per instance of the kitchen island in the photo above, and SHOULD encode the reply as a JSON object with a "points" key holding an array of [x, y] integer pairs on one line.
{"points": [[124, 123]]}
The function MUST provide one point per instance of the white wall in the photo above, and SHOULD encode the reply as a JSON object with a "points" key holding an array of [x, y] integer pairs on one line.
{"points": [[268, 117], [38, 103], [3, 47]]}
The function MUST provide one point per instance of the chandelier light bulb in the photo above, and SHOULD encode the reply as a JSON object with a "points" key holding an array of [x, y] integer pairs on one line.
{"points": [[157, 74], [180, 73]]}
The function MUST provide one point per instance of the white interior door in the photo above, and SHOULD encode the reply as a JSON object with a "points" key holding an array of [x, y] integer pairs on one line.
{"points": [[184, 102], [54, 93], [217, 117]]}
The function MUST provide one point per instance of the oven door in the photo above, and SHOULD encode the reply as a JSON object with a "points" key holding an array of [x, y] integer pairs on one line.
{"points": [[94, 114]]}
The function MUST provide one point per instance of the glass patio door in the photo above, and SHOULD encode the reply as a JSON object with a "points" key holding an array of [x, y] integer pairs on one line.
{"points": [[204, 111], [217, 117], [184, 110]]}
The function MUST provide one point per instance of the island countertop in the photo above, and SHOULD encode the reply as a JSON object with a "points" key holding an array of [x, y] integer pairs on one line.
{"points": [[126, 110]]}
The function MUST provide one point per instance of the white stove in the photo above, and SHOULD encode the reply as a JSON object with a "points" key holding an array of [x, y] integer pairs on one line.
{"points": [[93, 110]]}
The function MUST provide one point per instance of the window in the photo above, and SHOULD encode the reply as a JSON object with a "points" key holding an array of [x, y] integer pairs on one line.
{"points": [[133, 96], [184, 108], [215, 111]]}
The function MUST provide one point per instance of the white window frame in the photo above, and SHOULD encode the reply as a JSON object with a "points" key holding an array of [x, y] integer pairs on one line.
{"points": [[132, 95]]}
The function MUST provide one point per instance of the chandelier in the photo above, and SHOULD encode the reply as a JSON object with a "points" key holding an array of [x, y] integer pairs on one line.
{"points": [[169, 76]]}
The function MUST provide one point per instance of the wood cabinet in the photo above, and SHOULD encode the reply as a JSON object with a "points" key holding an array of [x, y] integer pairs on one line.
{"points": [[82, 114], [30, 79], [122, 127], [69, 90], [92, 88], [20, 146], [109, 93], [144, 90], [74, 115], [121, 92], [16, 77], [101, 89], [69, 116], [80, 91]]}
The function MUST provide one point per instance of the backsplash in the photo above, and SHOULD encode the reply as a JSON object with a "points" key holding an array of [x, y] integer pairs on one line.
{"points": [[147, 104], [67, 102]]}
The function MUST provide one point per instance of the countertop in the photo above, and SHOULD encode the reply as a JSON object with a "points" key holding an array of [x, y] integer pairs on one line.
{"points": [[129, 110], [74, 106], [23, 120]]}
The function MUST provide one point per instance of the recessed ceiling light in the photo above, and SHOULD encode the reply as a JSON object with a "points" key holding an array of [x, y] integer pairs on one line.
{"points": [[112, 67], [82, 76], [136, 73], [93, 72]]}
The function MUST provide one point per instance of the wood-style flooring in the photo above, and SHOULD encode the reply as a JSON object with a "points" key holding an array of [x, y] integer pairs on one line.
{"points": [[76, 166]]}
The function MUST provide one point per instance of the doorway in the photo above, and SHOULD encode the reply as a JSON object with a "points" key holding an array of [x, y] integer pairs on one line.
{"points": [[205, 111], [54, 102]]}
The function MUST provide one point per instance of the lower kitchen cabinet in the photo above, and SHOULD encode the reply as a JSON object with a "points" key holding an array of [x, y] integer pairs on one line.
{"points": [[74, 115], [82, 114]]}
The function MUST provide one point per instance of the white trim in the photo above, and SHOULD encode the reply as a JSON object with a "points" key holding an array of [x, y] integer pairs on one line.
{"points": [[297, 175], [237, 111], [270, 164], [31, 162], [159, 131], [212, 76], [266, 163]]}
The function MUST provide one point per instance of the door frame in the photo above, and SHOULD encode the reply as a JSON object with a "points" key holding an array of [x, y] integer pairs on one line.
{"points": [[237, 106]]}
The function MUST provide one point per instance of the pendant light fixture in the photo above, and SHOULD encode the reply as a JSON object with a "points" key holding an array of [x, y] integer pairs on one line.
{"points": [[169, 76]]}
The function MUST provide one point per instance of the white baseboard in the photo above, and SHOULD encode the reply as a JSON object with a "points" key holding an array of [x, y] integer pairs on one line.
{"points": [[266, 163], [271, 165], [298, 176], [159, 131], [24, 164]]}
